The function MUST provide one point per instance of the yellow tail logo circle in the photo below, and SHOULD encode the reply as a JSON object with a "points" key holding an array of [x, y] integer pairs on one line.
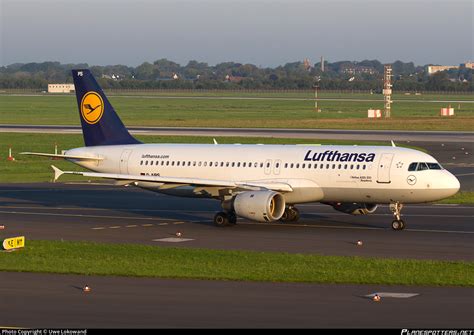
{"points": [[92, 107]]}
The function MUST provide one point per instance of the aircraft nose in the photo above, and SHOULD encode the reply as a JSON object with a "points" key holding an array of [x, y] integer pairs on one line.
{"points": [[452, 183]]}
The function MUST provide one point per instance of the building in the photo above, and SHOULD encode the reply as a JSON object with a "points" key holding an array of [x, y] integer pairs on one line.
{"points": [[61, 88], [469, 65], [437, 68]]}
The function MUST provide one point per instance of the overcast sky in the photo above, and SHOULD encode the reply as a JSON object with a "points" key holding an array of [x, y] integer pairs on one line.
{"points": [[261, 32]]}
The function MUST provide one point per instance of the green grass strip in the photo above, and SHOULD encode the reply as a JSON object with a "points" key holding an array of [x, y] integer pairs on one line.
{"points": [[463, 197], [151, 261]]}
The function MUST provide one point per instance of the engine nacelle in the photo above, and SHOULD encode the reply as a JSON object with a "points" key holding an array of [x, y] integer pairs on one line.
{"points": [[261, 206], [354, 208]]}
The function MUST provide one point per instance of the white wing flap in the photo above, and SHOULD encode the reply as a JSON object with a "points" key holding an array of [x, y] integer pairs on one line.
{"points": [[283, 187]]}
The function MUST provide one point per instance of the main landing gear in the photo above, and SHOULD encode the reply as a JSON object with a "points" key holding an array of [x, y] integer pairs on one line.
{"points": [[291, 214], [225, 219], [398, 223]]}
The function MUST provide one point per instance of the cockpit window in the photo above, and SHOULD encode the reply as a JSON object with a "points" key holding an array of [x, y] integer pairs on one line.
{"points": [[434, 166], [420, 166], [412, 167]]}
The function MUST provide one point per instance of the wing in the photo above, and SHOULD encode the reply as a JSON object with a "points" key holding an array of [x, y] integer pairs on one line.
{"points": [[270, 185]]}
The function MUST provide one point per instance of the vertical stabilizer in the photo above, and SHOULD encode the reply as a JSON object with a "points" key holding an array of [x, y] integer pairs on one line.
{"points": [[100, 123]]}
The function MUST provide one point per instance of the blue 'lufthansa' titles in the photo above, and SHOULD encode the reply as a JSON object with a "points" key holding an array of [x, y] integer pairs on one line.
{"points": [[336, 156]]}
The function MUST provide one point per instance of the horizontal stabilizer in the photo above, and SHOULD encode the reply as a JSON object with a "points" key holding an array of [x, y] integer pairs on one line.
{"points": [[84, 158]]}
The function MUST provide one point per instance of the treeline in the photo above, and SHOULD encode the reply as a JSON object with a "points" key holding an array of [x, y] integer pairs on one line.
{"points": [[166, 74]]}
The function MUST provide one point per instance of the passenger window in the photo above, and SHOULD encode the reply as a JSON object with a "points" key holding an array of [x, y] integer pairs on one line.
{"points": [[412, 167], [233, 164], [277, 165], [286, 165], [303, 166], [194, 163], [146, 162], [172, 163], [268, 165], [261, 165], [363, 167], [327, 166], [291, 165], [199, 164], [141, 162], [358, 166], [167, 163], [321, 166], [333, 166], [352, 166], [345, 166], [238, 164], [309, 166]]}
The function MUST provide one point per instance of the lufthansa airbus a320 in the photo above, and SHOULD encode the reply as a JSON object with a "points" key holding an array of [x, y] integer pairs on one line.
{"points": [[259, 182]]}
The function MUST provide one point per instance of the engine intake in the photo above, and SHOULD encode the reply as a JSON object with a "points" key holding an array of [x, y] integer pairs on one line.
{"points": [[261, 206], [354, 208]]}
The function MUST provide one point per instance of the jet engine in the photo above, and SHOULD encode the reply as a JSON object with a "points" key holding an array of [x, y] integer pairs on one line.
{"points": [[261, 206], [354, 208]]}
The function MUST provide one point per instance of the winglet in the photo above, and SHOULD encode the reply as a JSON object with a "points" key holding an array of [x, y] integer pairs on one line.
{"points": [[57, 173], [393, 144]]}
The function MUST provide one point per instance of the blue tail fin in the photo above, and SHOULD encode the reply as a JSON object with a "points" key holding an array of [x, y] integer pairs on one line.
{"points": [[100, 123]]}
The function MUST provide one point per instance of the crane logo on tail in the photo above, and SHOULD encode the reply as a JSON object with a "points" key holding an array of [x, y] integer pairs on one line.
{"points": [[92, 107]]}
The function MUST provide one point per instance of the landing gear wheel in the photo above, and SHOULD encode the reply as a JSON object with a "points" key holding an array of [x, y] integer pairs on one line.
{"points": [[221, 219], [232, 218], [290, 214], [398, 224], [295, 215]]}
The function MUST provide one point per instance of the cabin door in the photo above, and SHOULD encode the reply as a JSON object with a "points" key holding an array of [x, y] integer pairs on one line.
{"points": [[124, 161], [383, 170]]}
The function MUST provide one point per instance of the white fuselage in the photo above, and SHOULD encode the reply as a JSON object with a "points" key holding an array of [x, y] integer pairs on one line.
{"points": [[317, 173]]}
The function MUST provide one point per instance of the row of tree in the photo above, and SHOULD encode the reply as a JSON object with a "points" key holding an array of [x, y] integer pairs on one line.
{"points": [[166, 74]]}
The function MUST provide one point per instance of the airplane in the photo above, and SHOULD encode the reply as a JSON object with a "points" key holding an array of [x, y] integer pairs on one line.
{"points": [[263, 183]]}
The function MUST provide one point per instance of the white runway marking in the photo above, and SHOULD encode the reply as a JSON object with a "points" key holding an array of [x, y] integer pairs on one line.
{"points": [[393, 295], [173, 239]]}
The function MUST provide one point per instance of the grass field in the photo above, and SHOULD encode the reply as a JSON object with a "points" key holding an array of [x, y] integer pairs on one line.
{"points": [[150, 261], [219, 111]]}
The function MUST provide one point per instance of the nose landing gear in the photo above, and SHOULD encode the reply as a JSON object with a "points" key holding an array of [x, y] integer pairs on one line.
{"points": [[398, 223]]}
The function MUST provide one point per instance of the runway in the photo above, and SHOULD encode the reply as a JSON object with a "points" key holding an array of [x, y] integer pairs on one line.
{"points": [[115, 214], [112, 214], [57, 301], [341, 134]]}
